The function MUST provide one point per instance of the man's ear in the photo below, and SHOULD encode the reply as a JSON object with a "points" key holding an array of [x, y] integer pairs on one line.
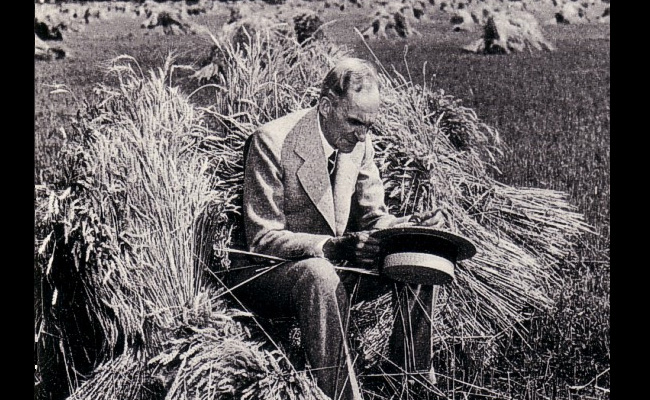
{"points": [[325, 106]]}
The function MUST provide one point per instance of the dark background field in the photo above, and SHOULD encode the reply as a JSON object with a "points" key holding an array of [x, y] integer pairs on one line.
{"points": [[551, 109]]}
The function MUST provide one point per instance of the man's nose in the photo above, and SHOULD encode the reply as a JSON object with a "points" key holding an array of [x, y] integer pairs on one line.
{"points": [[360, 133]]}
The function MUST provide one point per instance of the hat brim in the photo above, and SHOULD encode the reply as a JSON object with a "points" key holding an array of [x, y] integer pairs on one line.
{"points": [[426, 235], [420, 254]]}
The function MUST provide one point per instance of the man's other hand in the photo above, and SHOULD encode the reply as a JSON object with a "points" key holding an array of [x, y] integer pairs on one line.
{"points": [[435, 218], [359, 248]]}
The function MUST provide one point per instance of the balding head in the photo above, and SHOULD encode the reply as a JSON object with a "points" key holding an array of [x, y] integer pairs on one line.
{"points": [[349, 103], [349, 76]]}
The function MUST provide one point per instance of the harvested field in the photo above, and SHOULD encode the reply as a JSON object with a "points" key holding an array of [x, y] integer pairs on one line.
{"points": [[517, 104]]}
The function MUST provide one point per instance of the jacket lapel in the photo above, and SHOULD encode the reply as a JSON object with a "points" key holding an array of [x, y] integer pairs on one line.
{"points": [[312, 174]]}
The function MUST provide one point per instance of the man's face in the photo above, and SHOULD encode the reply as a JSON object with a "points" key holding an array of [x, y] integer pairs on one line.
{"points": [[347, 122]]}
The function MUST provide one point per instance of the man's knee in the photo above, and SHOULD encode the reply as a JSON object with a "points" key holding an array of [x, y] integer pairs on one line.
{"points": [[317, 274]]}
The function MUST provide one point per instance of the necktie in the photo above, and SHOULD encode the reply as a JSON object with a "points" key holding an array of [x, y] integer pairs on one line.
{"points": [[331, 164]]}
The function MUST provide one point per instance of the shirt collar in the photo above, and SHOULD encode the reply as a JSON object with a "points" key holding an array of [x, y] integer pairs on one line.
{"points": [[326, 146]]}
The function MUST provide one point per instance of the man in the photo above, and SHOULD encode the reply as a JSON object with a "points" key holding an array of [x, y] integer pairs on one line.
{"points": [[295, 209]]}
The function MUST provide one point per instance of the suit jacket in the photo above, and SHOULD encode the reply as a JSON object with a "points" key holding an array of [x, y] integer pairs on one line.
{"points": [[290, 207]]}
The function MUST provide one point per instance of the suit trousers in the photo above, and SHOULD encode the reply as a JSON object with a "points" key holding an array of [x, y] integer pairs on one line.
{"points": [[312, 291]]}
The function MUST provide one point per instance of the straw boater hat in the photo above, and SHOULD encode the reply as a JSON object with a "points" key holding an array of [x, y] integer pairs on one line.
{"points": [[421, 255]]}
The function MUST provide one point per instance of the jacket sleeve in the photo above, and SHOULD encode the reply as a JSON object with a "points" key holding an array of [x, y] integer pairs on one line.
{"points": [[264, 217], [368, 200]]}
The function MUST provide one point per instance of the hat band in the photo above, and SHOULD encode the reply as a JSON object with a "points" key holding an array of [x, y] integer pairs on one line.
{"points": [[419, 260]]}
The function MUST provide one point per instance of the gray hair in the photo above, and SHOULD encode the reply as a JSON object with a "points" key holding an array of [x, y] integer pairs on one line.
{"points": [[350, 74]]}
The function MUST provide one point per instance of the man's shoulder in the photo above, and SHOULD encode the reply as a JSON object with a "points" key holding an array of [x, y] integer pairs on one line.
{"points": [[274, 132]]}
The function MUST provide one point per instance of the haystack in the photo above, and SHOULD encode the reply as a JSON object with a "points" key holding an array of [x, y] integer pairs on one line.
{"points": [[462, 21], [480, 14], [95, 12], [305, 22], [169, 20], [48, 31], [510, 32], [415, 10], [79, 15], [252, 18], [49, 24], [237, 32], [604, 19], [170, 23], [306, 26], [45, 52], [340, 4], [121, 257], [571, 13], [113, 10], [51, 21], [577, 12], [392, 21], [419, 9], [198, 7], [246, 21], [135, 232]]}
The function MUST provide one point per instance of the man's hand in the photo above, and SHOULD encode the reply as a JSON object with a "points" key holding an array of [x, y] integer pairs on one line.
{"points": [[435, 218], [357, 247]]}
